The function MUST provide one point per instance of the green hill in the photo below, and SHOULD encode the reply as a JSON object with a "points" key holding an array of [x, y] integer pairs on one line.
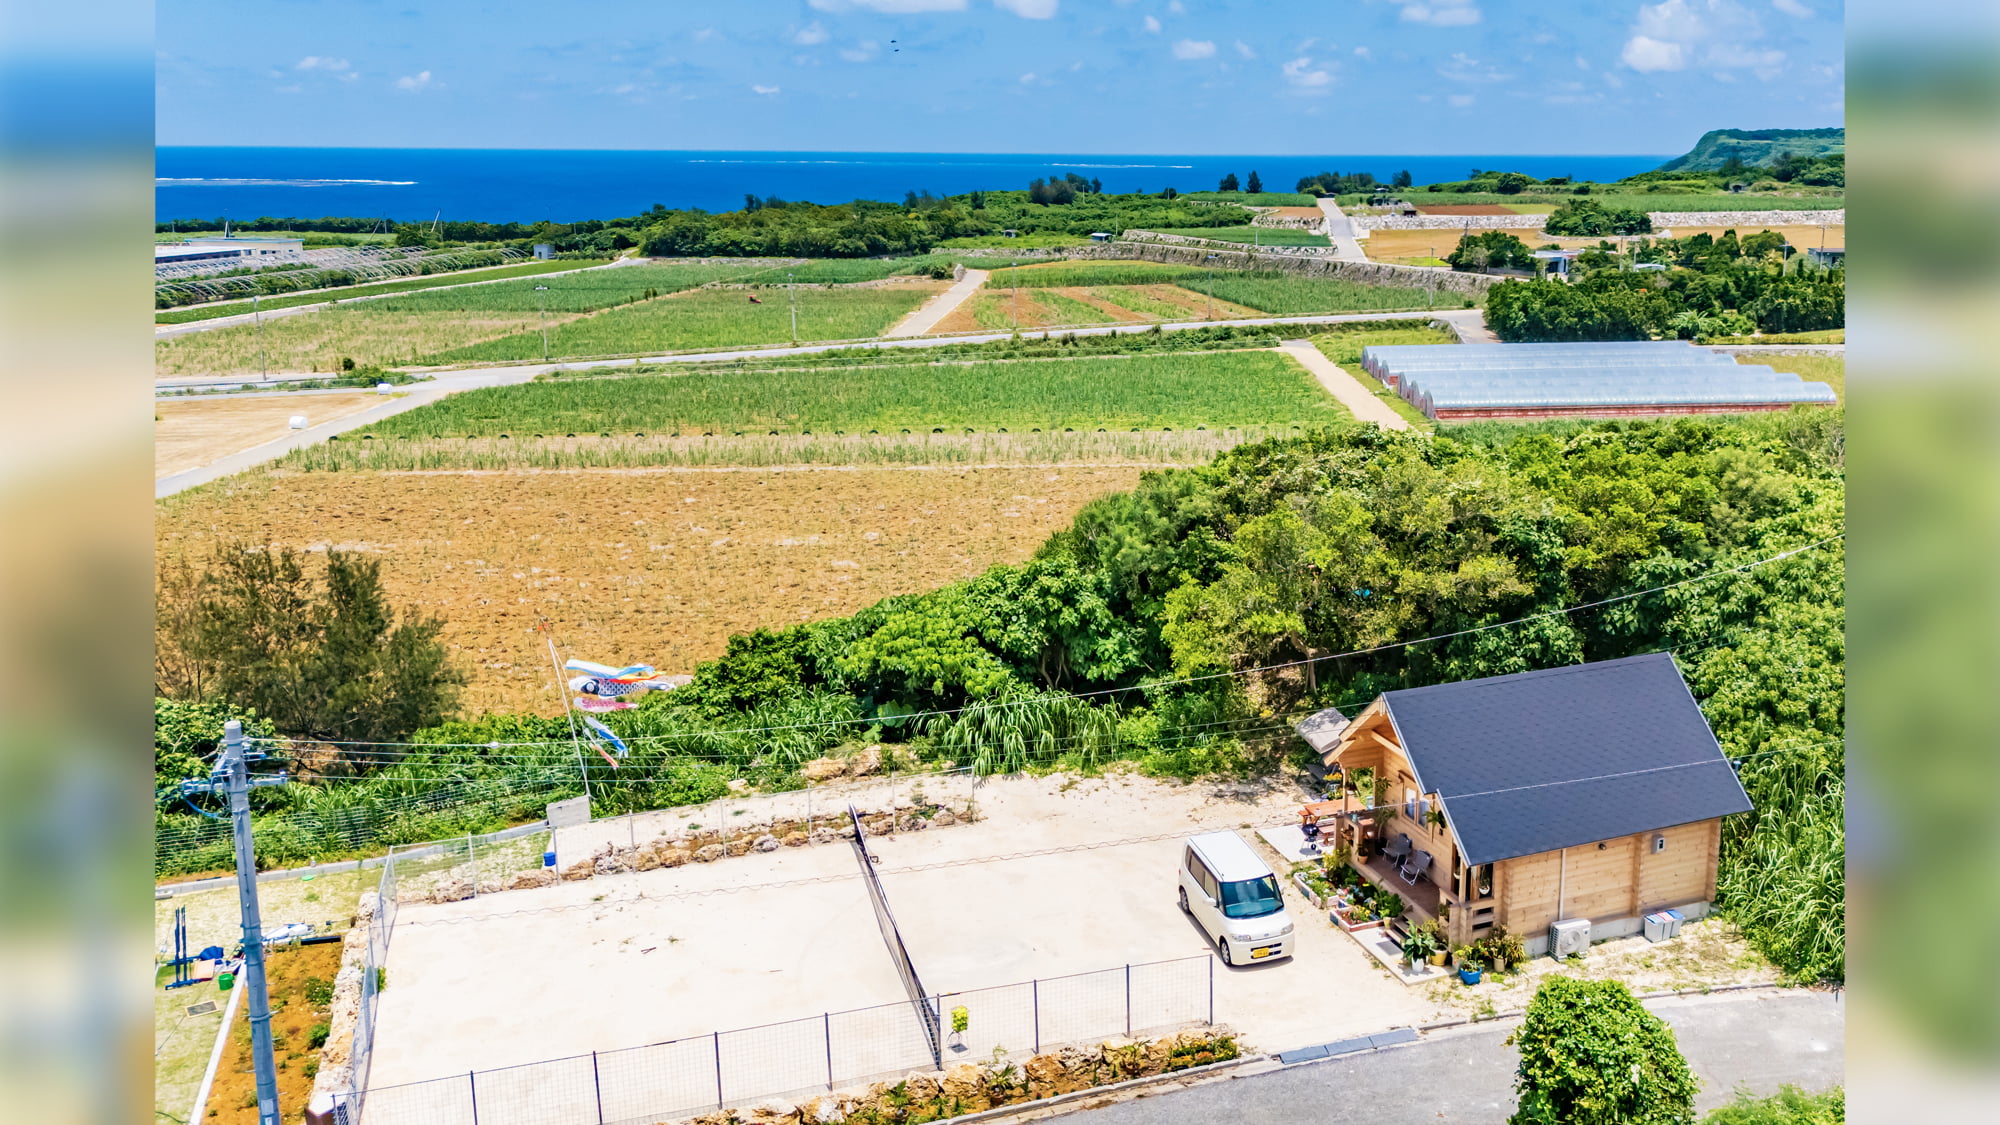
{"points": [[1757, 147]]}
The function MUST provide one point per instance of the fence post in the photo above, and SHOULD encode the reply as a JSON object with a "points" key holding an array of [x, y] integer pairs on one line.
{"points": [[472, 860], [597, 1083], [1128, 999], [717, 1036], [472, 1084], [1211, 992], [1036, 985], [826, 1025]]}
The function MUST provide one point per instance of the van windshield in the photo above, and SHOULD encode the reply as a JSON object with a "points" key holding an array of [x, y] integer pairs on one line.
{"points": [[1251, 898]]}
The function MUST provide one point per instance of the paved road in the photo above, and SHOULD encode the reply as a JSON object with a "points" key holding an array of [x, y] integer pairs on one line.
{"points": [[1759, 1040], [1352, 393], [1340, 230], [165, 331], [937, 308]]}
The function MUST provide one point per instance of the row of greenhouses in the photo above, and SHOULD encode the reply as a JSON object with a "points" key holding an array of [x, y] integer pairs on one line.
{"points": [[1450, 382]]}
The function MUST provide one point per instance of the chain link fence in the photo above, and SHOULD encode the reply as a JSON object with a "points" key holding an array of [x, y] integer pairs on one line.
{"points": [[381, 925], [799, 1058]]}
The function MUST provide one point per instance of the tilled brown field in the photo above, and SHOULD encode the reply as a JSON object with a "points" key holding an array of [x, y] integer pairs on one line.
{"points": [[659, 566]]}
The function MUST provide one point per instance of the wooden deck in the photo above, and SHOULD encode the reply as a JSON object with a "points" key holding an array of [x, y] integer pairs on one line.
{"points": [[1423, 897]]}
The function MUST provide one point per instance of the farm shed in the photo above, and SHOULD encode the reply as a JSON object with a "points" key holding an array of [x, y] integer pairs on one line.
{"points": [[1594, 792]]}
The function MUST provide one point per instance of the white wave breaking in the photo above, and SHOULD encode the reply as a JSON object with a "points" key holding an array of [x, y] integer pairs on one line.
{"points": [[254, 181]]}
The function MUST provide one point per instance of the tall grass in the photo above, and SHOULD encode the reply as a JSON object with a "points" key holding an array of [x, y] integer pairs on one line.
{"points": [[1179, 391], [1285, 294], [576, 293], [1062, 274], [560, 453], [319, 341], [1250, 235], [708, 318], [1004, 735]]}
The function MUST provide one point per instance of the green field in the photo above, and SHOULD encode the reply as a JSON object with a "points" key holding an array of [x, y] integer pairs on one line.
{"points": [[1088, 273], [1828, 369], [1179, 391], [1343, 346], [1282, 294], [1256, 199], [576, 293], [1263, 236], [347, 293], [707, 318]]}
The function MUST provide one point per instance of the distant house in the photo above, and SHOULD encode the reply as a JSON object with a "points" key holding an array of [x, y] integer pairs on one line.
{"points": [[545, 250], [1557, 261], [1100, 236], [1592, 792], [1010, 232], [1827, 256]]}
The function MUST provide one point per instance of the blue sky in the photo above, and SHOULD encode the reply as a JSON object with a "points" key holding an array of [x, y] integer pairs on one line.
{"points": [[1122, 76]]}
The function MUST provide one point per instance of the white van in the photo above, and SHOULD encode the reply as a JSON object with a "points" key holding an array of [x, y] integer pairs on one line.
{"points": [[1233, 896]]}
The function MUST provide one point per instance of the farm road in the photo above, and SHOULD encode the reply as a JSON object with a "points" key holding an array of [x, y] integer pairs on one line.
{"points": [[1351, 392], [937, 308], [1757, 1040], [1340, 231]]}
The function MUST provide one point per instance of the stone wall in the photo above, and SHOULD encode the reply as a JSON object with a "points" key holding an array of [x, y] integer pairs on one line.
{"points": [[1366, 273], [335, 1061], [972, 1087], [1661, 219], [1448, 222]]}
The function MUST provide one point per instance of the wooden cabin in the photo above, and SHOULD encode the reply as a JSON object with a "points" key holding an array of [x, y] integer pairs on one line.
{"points": [[1595, 791]]}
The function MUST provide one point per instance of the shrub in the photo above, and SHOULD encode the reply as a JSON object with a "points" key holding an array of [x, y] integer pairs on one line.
{"points": [[1789, 1106], [316, 1038], [319, 991], [1591, 1055]]}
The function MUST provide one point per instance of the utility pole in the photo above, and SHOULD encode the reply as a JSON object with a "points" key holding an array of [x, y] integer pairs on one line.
{"points": [[1210, 263], [792, 290], [542, 303], [231, 777]]}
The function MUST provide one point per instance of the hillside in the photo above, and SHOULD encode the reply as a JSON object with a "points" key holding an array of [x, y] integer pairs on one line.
{"points": [[1756, 147]]}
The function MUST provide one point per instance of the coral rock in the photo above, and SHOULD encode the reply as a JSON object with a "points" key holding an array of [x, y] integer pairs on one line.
{"points": [[766, 843], [823, 769], [794, 840], [709, 854]]}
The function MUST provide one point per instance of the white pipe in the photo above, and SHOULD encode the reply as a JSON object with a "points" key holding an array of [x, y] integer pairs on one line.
{"points": [[215, 1056], [1562, 875]]}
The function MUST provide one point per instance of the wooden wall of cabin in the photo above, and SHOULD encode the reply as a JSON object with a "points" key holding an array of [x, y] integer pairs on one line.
{"points": [[1622, 878]]}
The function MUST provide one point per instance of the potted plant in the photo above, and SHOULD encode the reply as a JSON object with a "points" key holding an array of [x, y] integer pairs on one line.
{"points": [[1419, 945], [1468, 970], [960, 1020]]}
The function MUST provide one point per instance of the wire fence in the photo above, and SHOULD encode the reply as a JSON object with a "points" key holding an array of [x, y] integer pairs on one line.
{"points": [[799, 1058], [892, 936], [362, 1052]]}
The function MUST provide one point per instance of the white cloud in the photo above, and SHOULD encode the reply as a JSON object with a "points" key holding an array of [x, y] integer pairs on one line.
{"points": [[1461, 100], [765, 90], [1646, 54], [321, 62], [414, 82], [291, 90], [1465, 68], [1244, 50], [1028, 79], [1194, 49], [1364, 53], [1793, 8], [1440, 13], [1718, 35], [1028, 9], [1303, 75], [1153, 25], [1175, 7], [810, 35], [860, 52]]}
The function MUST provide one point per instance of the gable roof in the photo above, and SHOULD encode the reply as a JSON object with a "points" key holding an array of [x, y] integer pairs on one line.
{"points": [[1543, 760], [1321, 729]]}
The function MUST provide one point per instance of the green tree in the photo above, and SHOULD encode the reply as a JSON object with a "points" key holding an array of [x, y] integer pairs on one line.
{"points": [[322, 655], [1591, 1054], [1254, 185], [1402, 179], [1511, 183], [186, 736], [1228, 183]]}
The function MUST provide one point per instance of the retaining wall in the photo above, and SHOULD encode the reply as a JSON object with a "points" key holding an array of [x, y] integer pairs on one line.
{"points": [[1366, 273], [1666, 219]]}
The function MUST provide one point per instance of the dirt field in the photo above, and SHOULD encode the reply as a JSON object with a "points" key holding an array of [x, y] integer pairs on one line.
{"points": [[1295, 212], [191, 432], [233, 1098], [631, 959], [991, 309], [658, 566]]}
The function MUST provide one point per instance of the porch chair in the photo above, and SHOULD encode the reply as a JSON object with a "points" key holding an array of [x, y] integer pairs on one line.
{"points": [[1398, 849], [1415, 868]]}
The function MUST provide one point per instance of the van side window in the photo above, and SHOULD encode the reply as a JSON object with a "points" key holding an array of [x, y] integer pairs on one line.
{"points": [[1203, 877]]}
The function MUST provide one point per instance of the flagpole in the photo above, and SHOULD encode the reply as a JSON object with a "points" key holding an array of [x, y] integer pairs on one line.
{"points": [[562, 689]]}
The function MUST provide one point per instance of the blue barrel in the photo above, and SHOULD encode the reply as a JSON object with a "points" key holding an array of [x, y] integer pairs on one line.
{"points": [[548, 859]]}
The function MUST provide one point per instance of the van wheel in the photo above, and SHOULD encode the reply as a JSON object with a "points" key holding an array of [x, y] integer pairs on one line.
{"points": [[1184, 905], [1224, 947]]}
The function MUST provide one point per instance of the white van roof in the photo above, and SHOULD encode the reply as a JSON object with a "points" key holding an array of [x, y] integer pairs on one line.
{"points": [[1228, 856]]}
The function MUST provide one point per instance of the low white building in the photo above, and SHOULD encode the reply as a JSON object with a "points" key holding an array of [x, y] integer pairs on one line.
{"points": [[206, 249]]}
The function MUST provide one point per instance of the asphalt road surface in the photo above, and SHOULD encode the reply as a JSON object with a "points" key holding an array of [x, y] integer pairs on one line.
{"points": [[1755, 1040]]}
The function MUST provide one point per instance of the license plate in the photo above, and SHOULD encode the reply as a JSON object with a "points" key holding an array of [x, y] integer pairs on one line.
{"points": [[1264, 951]]}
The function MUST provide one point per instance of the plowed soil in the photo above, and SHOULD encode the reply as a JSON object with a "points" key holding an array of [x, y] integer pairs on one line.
{"points": [[191, 432], [994, 309], [659, 566], [233, 1098]]}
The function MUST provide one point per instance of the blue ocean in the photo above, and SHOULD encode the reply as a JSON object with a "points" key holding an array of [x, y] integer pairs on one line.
{"points": [[564, 185]]}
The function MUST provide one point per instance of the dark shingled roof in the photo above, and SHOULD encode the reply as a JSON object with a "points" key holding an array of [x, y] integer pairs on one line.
{"points": [[1537, 761]]}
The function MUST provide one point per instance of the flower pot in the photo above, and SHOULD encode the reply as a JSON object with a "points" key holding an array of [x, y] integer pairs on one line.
{"points": [[1469, 976], [1438, 958], [1499, 964]]}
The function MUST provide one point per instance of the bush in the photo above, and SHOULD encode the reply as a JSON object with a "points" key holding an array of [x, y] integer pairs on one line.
{"points": [[1488, 250], [316, 1038], [1591, 1055], [319, 992], [1789, 1106], [1586, 218]]}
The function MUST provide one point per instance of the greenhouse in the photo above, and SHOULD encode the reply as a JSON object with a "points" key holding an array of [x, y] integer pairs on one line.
{"points": [[1463, 382]]}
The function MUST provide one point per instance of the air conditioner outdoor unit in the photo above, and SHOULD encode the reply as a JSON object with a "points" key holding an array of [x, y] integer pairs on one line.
{"points": [[1567, 936]]}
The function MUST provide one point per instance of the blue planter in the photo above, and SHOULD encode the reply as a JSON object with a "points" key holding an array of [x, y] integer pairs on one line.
{"points": [[1469, 976]]}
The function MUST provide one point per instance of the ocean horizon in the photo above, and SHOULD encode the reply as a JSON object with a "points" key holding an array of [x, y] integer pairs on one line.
{"points": [[566, 185]]}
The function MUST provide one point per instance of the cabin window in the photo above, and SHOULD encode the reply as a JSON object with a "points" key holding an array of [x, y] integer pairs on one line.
{"points": [[1409, 802]]}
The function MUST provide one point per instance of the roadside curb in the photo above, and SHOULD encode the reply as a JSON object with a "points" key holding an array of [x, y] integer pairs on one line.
{"points": [[1262, 1063]]}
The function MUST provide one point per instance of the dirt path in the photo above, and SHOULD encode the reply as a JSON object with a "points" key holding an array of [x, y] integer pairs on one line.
{"points": [[925, 319], [1343, 386]]}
